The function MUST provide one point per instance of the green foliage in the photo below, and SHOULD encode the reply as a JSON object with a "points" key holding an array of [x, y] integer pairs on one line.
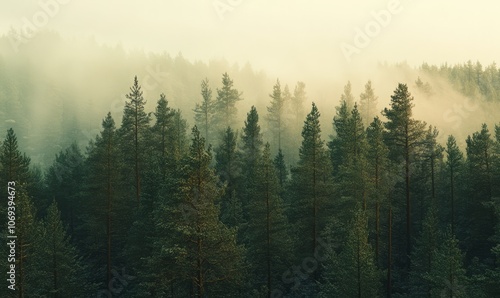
{"points": [[368, 104], [480, 214], [352, 272], [311, 186], [204, 112], [134, 136], [228, 168], [276, 114], [60, 271], [269, 242], [447, 275], [225, 104], [210, 257]]}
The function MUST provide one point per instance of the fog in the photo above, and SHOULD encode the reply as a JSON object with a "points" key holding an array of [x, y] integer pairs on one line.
{"points": [[81, 56]]}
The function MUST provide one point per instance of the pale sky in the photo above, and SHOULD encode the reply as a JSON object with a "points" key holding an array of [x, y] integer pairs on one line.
{"points": [[280, 36]]}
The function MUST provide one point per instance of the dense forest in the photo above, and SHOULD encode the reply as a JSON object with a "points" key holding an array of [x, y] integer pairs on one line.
{"points": [[154, 207]]}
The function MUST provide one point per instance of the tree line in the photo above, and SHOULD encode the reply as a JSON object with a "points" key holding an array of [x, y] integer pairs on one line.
{"points": [[381, 208]]}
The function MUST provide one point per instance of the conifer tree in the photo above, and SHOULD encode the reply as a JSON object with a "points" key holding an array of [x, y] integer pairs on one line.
{"points": [[447, 277], [480, 156], [228, 168], [63, 180], [297, 104], [204, 111], [281, 169], [276, 114], [423, 256], [454, 163], [347, 96], [368, 104], [404, 137], [311, 186], [225, 104], [60, 271], [133, 133], [15, 165], [352, 272], [209, 255], [251, 150], [104, 190], [269, 244], [377, 172]]}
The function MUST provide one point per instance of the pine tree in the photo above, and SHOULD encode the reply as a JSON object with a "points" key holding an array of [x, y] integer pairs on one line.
{"points": [[311, 186], [337, 146], [177, 137], [251, 149], [133, 133], [377, 172], [15, 165], [60, 271], [355, 163], [225, 104], [228, 168], [454, 163], [276, 113], [447, 277], [269, 244], [297, 104], [209, 255], [281, 169], [63, 180], [297, 114], [480, 214], [204, 112], [348, 153], [161, 128], [433, 154], [347, 96], [368, 104], [352, 272], [423, 256], [104, 190], [404, 137]]}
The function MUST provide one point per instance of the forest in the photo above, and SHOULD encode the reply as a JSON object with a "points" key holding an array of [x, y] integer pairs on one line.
{"points": [[277, 204]]}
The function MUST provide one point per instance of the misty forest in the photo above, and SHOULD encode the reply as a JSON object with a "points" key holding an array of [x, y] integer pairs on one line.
{"points": [[147, 175]]}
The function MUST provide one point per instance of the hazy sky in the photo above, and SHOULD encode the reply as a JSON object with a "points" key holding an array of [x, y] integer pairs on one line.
{"points": [[280, 36]]}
